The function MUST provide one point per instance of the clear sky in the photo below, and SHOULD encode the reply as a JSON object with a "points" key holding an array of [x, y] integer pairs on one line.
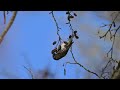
{"points": [[29, 43]]}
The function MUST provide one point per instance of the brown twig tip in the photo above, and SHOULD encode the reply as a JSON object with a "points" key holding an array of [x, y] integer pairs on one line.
{"points": [[4, 17]]}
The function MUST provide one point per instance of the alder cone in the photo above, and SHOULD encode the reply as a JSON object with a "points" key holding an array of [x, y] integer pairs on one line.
{"points": [[75, 14], [54, 42]]}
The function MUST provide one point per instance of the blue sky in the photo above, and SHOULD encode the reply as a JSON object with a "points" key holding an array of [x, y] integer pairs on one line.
{"points": [[32, 35]]}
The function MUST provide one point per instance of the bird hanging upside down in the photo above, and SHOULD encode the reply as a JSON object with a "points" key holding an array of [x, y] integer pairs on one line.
{"points": [[62, 49]]}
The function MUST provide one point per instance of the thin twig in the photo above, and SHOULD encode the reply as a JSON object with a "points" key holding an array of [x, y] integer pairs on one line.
{"points": [[82, 65], [75, 61], [113, 41], [32, 76], [58, 28]]}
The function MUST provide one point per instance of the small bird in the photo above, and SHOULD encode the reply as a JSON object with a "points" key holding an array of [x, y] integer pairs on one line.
{"points": [[62, 49]]}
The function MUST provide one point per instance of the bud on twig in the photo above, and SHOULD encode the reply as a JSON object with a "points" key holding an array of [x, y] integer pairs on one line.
{"points": [[54, 42], [75, 14]]}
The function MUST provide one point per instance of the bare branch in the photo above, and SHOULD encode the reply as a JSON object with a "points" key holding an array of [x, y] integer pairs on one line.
{"points": [[75, 61], [112, 38], [32, 76], [8, 26], [58, 28], [82, 65]]}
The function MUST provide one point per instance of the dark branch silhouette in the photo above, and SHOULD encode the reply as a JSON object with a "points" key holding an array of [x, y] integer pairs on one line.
{"points": [[30, 72], [112, 33], [70, 16]]}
